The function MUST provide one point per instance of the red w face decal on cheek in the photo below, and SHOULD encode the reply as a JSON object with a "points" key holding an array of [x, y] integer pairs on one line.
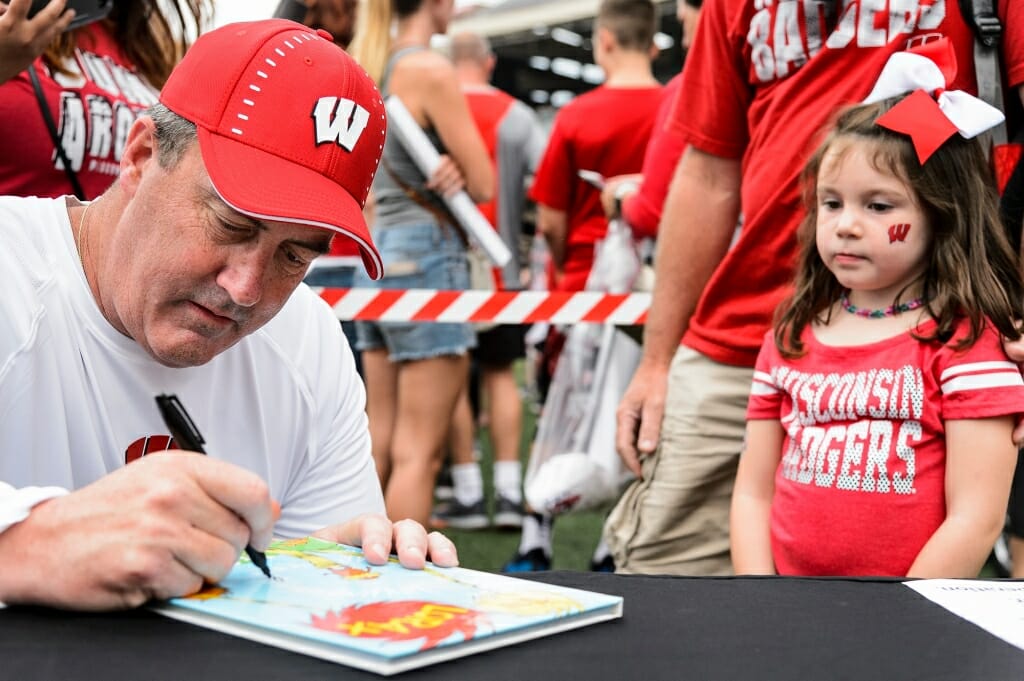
{"points": [[898, 232]]}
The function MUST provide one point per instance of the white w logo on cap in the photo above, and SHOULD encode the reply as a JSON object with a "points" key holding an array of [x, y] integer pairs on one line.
{"points": [[339, 120]]}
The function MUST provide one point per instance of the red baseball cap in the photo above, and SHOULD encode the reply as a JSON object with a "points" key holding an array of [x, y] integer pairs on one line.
{"points": [[290, 127]]}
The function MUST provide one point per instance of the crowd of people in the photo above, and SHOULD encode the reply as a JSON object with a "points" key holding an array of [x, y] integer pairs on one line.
{"points": [[828, 384]]}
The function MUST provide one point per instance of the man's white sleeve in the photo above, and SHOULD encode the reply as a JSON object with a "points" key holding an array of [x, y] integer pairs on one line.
{"points": [[16, 504]]}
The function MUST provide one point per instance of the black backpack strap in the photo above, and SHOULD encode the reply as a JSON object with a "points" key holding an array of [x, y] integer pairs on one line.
{"points": [[54, 135]]}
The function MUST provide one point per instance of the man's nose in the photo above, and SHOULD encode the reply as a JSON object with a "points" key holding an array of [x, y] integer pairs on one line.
{"points": [[243, 276]]}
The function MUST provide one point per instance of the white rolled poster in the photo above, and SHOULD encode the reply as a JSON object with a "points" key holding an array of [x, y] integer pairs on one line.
{"points": [[426, 158]]}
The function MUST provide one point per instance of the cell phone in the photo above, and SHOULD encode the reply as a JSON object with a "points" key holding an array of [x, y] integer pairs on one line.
{"points": [[86, 11], [291, 9]]}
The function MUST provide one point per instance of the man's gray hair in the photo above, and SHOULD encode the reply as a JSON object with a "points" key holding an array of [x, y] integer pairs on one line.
{"points": [[174, 135]]}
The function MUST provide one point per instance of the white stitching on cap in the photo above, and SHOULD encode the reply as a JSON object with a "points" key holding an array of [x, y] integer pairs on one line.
{"points": [[298, 40]]}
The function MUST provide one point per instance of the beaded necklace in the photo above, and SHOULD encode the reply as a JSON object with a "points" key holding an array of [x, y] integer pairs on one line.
{"points": [[890, 311]]}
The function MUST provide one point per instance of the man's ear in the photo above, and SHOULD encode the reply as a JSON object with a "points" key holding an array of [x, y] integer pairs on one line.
{"points": [[140, 153], [606, 39]]}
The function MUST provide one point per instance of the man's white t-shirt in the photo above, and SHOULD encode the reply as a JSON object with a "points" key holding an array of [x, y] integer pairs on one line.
{"points": [[77, 397]]}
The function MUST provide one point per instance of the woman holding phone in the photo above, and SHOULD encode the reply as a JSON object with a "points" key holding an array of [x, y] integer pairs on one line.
{"points": [[72, 83], [414, 372]]}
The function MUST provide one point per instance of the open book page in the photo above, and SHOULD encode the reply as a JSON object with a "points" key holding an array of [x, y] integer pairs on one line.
{"points": [[325, 600]]}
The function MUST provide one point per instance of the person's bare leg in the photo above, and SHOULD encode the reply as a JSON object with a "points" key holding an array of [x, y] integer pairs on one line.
{"points": [[460, 439], [505, 411], [505, 408], [381, 377], [465, 511], [1017, 557], [427, 390]]}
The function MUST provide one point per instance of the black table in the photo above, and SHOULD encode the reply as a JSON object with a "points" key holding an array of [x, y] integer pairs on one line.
{"points": [[673, 628]]}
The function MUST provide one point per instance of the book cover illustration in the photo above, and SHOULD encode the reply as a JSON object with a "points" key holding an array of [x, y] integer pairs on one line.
{"points": [[325, 600]]}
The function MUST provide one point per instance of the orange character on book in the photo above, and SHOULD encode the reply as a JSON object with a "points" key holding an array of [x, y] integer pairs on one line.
{"points": [[402, 621]]}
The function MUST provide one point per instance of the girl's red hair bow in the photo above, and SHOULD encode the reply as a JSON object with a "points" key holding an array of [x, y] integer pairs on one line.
{"points": [[930, 115]]}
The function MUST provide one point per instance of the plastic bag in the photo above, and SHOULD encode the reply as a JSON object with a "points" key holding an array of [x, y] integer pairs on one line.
{"points": [[573, 463], [616, 260]]}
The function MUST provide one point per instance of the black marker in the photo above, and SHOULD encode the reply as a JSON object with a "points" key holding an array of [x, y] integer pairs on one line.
{"points": [[187, 436]]}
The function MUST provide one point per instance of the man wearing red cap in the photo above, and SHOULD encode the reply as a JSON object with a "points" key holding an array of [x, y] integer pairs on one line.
{"points": [[185, 278]]}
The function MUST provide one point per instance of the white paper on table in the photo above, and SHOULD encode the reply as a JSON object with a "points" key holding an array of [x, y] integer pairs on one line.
{"points": [[426, 158], [996, 607]]}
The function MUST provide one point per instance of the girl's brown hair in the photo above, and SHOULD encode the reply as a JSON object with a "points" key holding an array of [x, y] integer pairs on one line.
{"points": [[972, 272], [154, 35]]}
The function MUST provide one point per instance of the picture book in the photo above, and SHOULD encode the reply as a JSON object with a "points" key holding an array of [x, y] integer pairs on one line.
{"points": [[326, 601]]}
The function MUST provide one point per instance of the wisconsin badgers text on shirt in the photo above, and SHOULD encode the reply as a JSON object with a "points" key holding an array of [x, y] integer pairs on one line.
{"points": [[784, 34], [886, 407], [96, 126]]}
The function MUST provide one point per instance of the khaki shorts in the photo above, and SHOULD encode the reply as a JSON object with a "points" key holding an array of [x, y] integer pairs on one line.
{"points": [[676, 520]]}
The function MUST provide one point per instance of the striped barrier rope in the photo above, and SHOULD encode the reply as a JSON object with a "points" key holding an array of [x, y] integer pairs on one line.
{"points": [[500, 307]]}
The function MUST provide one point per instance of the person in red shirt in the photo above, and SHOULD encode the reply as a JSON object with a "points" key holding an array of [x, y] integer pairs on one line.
{"points": [[640, 197], [880, 418], [760, 81], [605, 131], [93, 80]]}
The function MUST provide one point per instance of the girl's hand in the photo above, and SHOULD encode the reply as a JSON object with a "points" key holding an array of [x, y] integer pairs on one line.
{"points": [[447, 178]]}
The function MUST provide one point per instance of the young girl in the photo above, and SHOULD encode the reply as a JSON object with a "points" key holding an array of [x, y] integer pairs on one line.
{"points": [[880, 417]]}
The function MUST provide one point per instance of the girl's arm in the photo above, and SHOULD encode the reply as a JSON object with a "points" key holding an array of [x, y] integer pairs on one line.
{"points": [[749, 522], [980, 458]]}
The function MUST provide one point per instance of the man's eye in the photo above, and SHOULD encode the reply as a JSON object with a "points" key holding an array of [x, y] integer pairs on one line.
{"points": [[295, 259], [234, 229]]}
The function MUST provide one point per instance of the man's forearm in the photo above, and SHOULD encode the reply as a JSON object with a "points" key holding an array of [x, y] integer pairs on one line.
{"points": [[553, 225], [696, 228]]}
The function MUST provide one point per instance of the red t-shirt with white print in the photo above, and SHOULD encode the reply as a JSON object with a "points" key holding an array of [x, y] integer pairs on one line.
{"points": [[93, 109], [860, 486], [759, 83], [605, 130]]}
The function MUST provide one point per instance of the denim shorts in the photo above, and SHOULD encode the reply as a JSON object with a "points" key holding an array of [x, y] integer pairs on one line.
{"points": [[418, 255]]}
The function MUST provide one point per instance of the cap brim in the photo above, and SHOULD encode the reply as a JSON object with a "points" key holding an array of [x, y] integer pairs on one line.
{"points": [[268, 187]]}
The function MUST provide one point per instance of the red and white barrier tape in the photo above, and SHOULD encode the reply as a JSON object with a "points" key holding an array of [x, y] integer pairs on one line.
{"points": [[502, 307]]}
